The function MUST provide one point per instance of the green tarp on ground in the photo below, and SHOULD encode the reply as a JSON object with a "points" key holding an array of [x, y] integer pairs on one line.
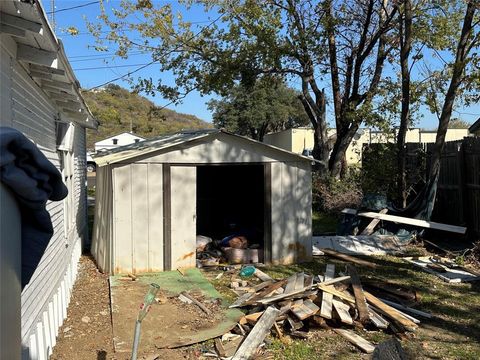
{"points": [[170, 323]]}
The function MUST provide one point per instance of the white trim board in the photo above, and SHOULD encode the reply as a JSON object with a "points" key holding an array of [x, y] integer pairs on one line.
{"points": [[408, 221]]}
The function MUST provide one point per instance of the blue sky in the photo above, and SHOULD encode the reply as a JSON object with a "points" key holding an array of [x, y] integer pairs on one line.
{"points": [[93, 68]]}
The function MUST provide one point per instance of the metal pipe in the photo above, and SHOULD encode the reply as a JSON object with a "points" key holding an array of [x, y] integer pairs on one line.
{"points": [[136, 339]]}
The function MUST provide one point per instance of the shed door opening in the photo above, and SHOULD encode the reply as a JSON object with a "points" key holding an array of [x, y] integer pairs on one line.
{"points": [[231, 199]]}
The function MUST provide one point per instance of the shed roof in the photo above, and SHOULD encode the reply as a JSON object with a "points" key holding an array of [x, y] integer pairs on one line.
{"points": [[164, 142]]}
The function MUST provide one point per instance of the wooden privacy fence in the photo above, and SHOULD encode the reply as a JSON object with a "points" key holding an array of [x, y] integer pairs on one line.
{"points": [[458, 195]]}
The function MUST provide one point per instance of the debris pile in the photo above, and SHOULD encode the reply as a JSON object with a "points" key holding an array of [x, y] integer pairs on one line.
{"points": [[333, 300], [233, 249]]}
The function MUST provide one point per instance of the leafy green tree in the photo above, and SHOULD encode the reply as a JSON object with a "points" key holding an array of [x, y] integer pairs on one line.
{"points": [[298, 39], [266, 106], [456, 123]]}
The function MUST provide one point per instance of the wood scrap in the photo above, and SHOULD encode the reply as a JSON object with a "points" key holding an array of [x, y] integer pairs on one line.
{"points": [[376, 319], [335, 280], [342, 311], [257, 335], [242, 300], [370, 227], [291, 281], [219, 347], [407, 309], [304, 309], [358, 293], [327, 297], [349, 258], [409, 221], [196, 302], [269, 289], [356, 340], [331, 290], [390, 312], [261, 275]]}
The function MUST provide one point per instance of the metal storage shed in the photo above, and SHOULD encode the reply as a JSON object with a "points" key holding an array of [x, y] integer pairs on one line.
{"points": [[155, 196]]}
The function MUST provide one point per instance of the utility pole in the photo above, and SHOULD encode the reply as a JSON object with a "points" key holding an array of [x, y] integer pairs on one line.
{"points": [[52, 14]]}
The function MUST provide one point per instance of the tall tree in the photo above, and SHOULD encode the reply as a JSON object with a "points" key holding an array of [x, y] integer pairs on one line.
{"points": [[405, 41], [468, 41], [300, 39], [357, 47], [266, 106]]}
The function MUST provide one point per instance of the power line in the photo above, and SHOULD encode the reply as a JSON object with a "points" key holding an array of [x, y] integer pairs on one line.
{"points": [[73, 7], [111, 66], [144, 66]]}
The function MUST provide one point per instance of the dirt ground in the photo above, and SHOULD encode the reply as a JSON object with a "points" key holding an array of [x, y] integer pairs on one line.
{"points": [[87, 331]]}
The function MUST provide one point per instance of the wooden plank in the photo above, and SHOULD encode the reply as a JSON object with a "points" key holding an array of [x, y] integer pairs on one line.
{"points": [[269, 289], [291, 284], [331, 290], [257, 335], [376, 319], [409, 221], [370, 227], [349, 258], [407, 309], [335, 280], [219, 347], [300, 281], [261, 275], [327, 297], [356, 340], [358, 293], [390, 312], [284, 296], [303, 309], [342, 311], [241, 300]]}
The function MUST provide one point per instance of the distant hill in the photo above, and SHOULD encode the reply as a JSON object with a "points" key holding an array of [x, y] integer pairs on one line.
{"points": [[115, 107]]}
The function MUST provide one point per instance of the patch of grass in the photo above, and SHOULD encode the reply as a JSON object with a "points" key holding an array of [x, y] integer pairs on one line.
{"points": [[297, 350], [323, 223]]}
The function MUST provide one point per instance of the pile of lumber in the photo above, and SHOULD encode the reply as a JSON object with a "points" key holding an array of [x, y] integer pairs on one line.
{"points": [[290, 306]]}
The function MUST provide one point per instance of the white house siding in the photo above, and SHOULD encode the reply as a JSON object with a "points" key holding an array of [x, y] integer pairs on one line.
{"points": [[44, 300]]}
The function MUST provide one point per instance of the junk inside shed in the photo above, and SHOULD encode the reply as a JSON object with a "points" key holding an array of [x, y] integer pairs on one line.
{"points": [[231, 207]]}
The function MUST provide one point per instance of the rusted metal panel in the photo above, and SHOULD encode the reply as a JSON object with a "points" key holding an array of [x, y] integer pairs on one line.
{"points": [[183, 216]]}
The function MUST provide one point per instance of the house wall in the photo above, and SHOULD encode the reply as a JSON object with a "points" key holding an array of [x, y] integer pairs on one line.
{"points": [[10, 275], [44, 300], [139, 212], [296, 140]]}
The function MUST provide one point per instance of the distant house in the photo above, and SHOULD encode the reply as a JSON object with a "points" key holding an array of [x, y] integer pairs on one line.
{"points": [[475, 128], [300, 140], [112, 142], [41, 98]]}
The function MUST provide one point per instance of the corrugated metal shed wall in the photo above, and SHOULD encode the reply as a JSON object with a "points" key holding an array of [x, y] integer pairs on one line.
{"points": [[44, 300], [138, 217]]}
